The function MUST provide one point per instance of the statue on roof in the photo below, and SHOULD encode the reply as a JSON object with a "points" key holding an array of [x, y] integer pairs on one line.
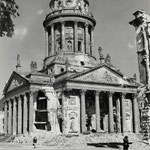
{"points": [[101, 56], [18, 60], [18, 66], [108, 59]]}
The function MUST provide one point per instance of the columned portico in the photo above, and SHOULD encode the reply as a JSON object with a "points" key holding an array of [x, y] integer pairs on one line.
{"points": [[83, 112], [110, 115], [97, 106]]}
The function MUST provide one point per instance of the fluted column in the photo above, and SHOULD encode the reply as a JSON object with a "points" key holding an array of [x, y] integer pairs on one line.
{"points": [[83, 112], [63, 113], [86, 38], [10, 118], [47, 53], [97, 106], [19, 116], [111, 120], [118, 115], [135, 114], [6, 118], [25, 114], [123, 108], [14, 116], [76, 36], [31, 111], [52, 39], [63, 35], [92, 41]]}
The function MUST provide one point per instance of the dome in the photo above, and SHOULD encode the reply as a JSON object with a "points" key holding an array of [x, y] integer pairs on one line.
{"points": [[76, 5]]}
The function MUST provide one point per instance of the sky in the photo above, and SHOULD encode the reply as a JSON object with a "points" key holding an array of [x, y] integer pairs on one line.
{"points": [[112, 32]]}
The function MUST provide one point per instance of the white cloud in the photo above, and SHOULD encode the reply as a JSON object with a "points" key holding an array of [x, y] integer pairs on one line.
{"points": [[21, 32], [131, 45], [40, 12]]}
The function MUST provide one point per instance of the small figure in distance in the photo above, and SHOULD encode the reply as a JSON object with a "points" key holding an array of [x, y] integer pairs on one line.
{"points": [[125, 143], [34, 142]]}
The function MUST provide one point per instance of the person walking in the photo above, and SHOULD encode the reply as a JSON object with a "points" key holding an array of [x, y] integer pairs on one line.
{"points": [[34, 142], [125, 143]]}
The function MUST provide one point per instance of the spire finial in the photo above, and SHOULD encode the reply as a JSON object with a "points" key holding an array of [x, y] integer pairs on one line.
{"points": [[18, 66]]}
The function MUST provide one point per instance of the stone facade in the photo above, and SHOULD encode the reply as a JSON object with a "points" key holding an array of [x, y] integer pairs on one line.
{"points": [[73, 93], [142, 27]]}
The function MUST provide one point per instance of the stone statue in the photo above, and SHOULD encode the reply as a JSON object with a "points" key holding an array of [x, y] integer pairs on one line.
{"points": [[100, 51], [18, 60], [52, 107]]}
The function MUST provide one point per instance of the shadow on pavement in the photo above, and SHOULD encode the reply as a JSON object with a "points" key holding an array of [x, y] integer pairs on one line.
{"points": [[110, 145]]}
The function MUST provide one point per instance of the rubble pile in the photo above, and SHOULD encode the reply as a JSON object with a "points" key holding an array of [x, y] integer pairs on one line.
{"points": [[48, 139]]}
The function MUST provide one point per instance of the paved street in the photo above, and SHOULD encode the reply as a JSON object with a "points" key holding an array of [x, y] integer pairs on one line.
{"points": [[12, 146]]}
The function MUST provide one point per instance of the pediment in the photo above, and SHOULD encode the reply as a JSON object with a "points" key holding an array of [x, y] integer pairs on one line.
{"points": [[15, 81], [102, 75]]}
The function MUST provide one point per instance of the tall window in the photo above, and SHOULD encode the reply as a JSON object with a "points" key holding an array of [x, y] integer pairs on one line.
{"points": [[79, 46]]}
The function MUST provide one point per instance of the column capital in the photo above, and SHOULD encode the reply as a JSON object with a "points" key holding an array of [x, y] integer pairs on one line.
{"points": [[83, 91], [123, 95], [97, 92], [75, 22], [92, 28], [109, 93], [52, 25], [134, 95], [63, 22], [86, 24]]}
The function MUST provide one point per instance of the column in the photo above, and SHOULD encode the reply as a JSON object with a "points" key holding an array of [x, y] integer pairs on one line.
{"points": [[83, 112], [118, 115], [52, 39], [46, 44], [123, 112], [63, 113], [63, 35], [10, 118], [135, 114], [19, 116], [86, 38], [110, 114], [76, 36], [97, 106], [25, 114], [6, 118], [92, 41], [31, 111], [14, 116]]}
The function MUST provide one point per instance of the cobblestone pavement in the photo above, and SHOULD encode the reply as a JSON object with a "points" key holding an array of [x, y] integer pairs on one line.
{"points": [[12, 146]]}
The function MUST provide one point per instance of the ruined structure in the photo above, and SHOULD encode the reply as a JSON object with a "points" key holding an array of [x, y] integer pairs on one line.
{"points": [[73, 92], [142, 27]]}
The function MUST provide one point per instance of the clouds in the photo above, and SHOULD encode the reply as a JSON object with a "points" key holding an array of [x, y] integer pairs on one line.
{"points": [[40, 12], [21, 32]]}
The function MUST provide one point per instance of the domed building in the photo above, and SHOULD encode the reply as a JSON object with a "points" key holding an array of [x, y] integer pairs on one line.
{"points": [[74, 92]]}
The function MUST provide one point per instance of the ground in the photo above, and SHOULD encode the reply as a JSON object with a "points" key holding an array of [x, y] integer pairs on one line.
{"points": [[46, 140]]}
